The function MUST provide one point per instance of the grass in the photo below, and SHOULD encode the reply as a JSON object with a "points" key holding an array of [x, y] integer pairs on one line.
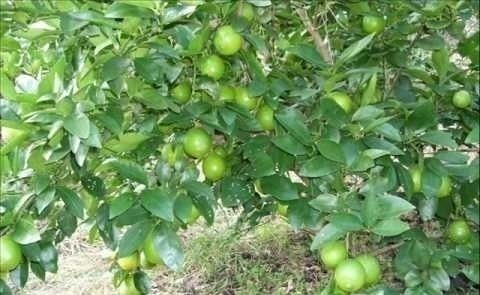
{"points": [[269, 259]]}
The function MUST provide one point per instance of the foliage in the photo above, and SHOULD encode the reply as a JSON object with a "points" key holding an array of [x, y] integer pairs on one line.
{"points": [[309, 112]]}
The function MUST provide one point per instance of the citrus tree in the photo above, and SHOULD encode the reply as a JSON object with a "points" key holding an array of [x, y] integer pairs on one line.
{"points": [[358, 121]]}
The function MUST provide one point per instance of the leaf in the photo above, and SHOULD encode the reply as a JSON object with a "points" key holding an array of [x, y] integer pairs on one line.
{"points": [[169, 246], [327, 234], [346, 222], [441, 62], [382, 144], [122, 10], [77, 124], [308, 53], [354, 49], [115, 67], [19, 275], [174, 13], [392, 206], [126, 142], [293, 120], [389, 131], [325, 203], [289, 144], [318, 166], [262, 165], [94, 185], [121, 204], [440, 138], [199, 189], [133, 238], [159, 202], [129, 170], [25, 232], [473, 136], [280, 187], [142, 282], [427, 207], [403, 89], [432, 42], [49, 257], [423, 116], [472, 272], [390, 227], [72, 201], [367, 113], [234, 191], [330, 150]]}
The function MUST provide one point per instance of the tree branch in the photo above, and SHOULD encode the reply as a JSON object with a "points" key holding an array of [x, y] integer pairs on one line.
{"points": [[321, 45]]}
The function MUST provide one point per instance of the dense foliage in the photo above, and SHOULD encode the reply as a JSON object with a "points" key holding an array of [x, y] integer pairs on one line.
{"points": [[356, 120]]}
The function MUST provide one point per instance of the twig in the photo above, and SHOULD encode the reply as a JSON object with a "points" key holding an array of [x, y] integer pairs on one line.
{"points": [[388, 248], [321, 45]]}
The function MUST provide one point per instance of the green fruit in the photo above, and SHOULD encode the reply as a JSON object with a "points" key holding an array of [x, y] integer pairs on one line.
{"points": [[373, 24], [10, 254], [462, 99], [144, 262], [182, 92], [343, 100], [373, 272], [226, 93], [194, 215], [213, 67], [282, 210], [127, 287], [151, 254], [129, 263], [227, 41], [459, 232], [245, 10], [265, 117], [214, 167], [350, 275], [243, 98], [416, 174], [197, 142], [445, 188], [333, 253]]}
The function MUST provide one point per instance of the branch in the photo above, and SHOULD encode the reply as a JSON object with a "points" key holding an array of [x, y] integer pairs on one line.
{"points": [[388, 248], [321, 45]]}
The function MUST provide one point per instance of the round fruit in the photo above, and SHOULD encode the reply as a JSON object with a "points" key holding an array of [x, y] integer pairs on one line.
{"points": [[245, 11], [373, 272], [151, 254], [459, 232], [462, 99], [182, 92], [333, 253], [265, 117], [213, 67], [226, 93], [282, 210], [10, 254], [144, 262], [343, 100], [214, 167], [197, 142], [127, 287], [194, 215], [416, 174], [350, 275], [243, 98], [227, 41], [373, 24], [445, 188], [129, 263]]}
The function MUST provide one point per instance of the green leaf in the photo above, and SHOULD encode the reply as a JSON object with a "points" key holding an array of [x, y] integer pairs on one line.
{"points": [[169, 246], [25, 231], [390, 227], [289, 144], [129, 170], [389, 131], [78, 124], [318, 166], [354, 49], [94, 185], [308, 53], [382, 144], [370, 209], [441, 62], [292, 120], [234, 191], [174, 13], [133, 238], [142, 282], [472, 272], [126, 142], [115, 67], [49, 257], [473, 136], [121, 10], [403, 89], [431, 42], [367, 113], [392, 206], [327, 234], [440, 138], [423, 116], [72, 201], [330, 150], [325, 203], [280, 187], [262, 165], [199, 189], [346, 222], [121, 204], [159, 202]]}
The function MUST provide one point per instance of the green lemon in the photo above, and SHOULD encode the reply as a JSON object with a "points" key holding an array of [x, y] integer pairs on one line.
{"points": [[10, 254], [462, 99], [459, 232], [129, 263], [182, 92], [350, 275], [373, 24], [246, 11], [227, 41], [445, 188], [373, 272], [282, 210], [226, 93], [265, 116], [197, 142], [127, 287], [151, 254], [416, 174], [243, 98], [213, 67], [333, 253], [214, 167]]}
